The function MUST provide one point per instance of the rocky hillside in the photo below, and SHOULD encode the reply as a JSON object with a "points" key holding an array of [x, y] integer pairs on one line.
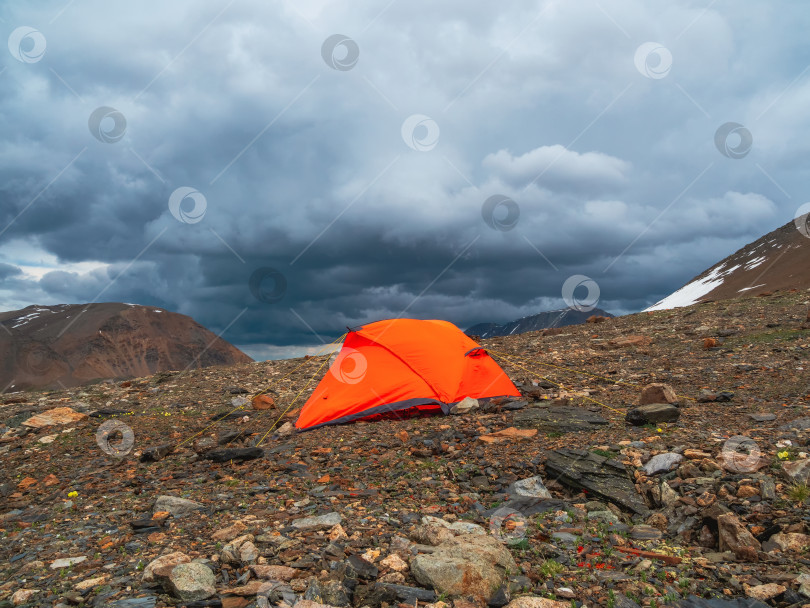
{"points": [[543, 320], [778, 261], [657, 459], [71, 344]]}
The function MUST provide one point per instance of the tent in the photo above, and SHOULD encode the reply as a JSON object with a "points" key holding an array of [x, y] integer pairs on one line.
{"points": [[403, 364]]}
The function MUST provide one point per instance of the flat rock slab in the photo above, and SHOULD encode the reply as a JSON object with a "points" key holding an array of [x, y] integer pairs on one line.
{"points": [[661, 463], [652, 414], [762, 417], [528, 506], [239, 454], [176, 505], [602, 477], [317, 521], [560, 419], [59, 415]]}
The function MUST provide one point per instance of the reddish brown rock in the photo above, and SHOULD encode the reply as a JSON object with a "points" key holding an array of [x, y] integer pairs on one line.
{"points": [[735, 537]]}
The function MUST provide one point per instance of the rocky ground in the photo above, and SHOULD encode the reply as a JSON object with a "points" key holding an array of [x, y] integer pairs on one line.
{"points": [[145, 493]]}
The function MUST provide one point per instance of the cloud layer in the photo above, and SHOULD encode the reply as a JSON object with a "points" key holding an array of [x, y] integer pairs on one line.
{"points": [[358, 168]]}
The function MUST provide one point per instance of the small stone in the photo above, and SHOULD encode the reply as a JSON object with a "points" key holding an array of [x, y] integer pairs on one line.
{"points": [[337, 533], [329, 520], [791, 541], [59, 415], [734, 536], [797, 470], [89, 583], [229, 533], [465, 406], [747, 492], [263, 402], [531, 486], [66, 562], [276, 573], [22, 596], [177, 506], [248, 553], [661, 463], [534, 601], [394, 562], [156, 453]]}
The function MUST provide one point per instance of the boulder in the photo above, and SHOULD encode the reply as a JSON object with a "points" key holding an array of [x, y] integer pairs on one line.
{"points": [[170, 559], [192, 582], [657, 392], [735, 537], [465, 566], [653, 413]]}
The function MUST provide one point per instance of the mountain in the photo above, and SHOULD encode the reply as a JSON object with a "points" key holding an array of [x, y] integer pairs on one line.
{"points": [[776, 262], [71, 344], [543, 320]]}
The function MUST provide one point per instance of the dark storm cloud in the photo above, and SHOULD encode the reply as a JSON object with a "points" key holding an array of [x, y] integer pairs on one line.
{"points": [[304, 169]]}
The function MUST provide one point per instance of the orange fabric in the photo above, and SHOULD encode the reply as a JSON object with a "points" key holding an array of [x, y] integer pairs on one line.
{"points": [[402, 363]]}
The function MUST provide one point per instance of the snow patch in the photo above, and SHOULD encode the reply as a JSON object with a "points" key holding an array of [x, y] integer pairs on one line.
{"points": [[751, 264], [749, 288], [692, 292]]}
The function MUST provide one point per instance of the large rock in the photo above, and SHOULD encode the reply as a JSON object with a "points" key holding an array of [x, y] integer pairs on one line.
{"points": [[465, 566], [657, 393], [177, 506], [59, 415], [276, 573], [654, 413], [192, 582], [735, 537], [170, 559], [604, 478], [765, 592]]}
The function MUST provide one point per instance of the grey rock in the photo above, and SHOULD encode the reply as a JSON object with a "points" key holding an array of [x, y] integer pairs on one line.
{"points": [[192, 582], [797, 470], [530, 487], [603, 516], [653, 413], [318, 521], [560, 419], [661, 463], [762, 417], [177, 506], [237, 454]]}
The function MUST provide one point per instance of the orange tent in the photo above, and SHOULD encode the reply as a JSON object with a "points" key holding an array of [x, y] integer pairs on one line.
{"points": [[402, 364]]}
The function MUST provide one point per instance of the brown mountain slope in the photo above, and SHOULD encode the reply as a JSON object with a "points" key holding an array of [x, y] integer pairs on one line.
{"points": [[67, 345], [778, 261]]}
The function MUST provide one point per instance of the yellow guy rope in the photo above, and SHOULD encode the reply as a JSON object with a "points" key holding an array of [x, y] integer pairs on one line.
{"points": [[505, 356], [267, 388]]}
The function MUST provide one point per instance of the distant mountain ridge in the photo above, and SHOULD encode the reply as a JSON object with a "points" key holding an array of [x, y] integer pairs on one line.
{"points": [[777, 261], [543, 320], [71, 344]]}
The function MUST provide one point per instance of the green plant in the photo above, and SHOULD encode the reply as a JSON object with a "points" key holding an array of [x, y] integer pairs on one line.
{"points": [[605, 453], [611, 602], [799, 492], [551, 568]]}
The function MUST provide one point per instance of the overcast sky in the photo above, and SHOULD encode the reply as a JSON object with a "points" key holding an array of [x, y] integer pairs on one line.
{"points": [[280, 170]]}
